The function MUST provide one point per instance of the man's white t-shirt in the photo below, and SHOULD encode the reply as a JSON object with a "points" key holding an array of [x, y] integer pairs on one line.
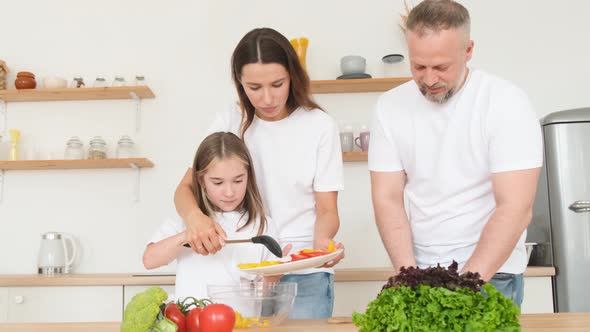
{"points": [[194, 272], [449, 152], [293, 158]]}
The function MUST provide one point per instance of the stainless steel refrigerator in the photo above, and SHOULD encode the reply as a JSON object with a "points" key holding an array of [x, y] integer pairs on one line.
{"points": [[561, 218]]}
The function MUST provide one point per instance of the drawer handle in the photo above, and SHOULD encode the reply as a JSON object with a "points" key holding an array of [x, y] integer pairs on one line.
{"points": [[19, 299], [580, 206]]}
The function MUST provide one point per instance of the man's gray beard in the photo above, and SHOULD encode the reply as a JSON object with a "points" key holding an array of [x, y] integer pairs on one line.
{"points": [[435, 98]]}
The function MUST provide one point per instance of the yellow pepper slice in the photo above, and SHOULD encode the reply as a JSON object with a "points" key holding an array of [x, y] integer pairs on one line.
{"points": [[331, 247]]}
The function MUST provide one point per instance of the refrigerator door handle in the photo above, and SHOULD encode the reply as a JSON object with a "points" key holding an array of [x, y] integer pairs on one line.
{"points": [[580, 206]]}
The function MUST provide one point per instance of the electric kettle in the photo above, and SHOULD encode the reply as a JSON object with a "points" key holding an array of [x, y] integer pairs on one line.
{"points": [[55, 256]]}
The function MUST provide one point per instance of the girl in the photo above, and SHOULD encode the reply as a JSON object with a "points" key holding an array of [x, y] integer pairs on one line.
{"points": [[296, 150], [225, 190]]}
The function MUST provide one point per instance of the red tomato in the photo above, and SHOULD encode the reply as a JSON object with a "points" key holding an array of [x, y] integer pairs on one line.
{"points": [[217, 318], [296, 257], [313, 254], [192, 320], [174, 314]]}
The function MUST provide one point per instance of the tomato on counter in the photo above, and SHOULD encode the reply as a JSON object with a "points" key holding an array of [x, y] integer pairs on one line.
{"points": [[217, 318]]}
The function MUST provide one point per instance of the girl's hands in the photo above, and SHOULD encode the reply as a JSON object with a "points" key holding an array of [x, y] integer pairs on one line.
{"points": [[324, 244], [204, 235]]}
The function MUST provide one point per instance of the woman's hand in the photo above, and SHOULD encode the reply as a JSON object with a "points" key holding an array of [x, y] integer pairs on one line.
{"points": [[324, 244], [203, 234]]}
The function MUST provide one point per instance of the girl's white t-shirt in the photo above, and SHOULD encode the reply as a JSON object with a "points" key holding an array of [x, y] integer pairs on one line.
{"points": [[293, 158], [194, 272], [449, 152]]}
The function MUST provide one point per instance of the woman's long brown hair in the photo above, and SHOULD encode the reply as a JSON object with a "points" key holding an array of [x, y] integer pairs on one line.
{"points": [[265, 45], [216, 148]]}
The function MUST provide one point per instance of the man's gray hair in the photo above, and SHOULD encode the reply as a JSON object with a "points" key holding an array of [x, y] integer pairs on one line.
{"points": [[437, 15]]}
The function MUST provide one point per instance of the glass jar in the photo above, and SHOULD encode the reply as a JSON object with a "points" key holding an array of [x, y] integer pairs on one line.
{"points": [[100, 82], [74, 149], [98, 149], [119, 81], [140, 80], [125, 147], [78, 82]]}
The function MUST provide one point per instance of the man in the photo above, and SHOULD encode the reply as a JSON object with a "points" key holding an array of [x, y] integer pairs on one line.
{"points": [[463, 149]]}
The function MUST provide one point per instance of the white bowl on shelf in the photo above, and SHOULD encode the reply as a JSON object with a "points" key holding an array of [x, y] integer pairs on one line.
{"points": [[53, 82], [352, 64]]}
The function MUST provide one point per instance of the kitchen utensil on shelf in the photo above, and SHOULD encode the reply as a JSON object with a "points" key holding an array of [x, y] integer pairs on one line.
{"points": [[14, 137], [393, 66], [97, 149], [25, 80], [54, 82], [271, 244], [353, 76], [125, 147], [78, 82], [119, 81], [55, 257], [3, 73], [352, 64], [300, 45], [74, 149], [363, 140]]}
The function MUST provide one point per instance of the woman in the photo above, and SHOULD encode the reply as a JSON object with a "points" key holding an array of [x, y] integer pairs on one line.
{"points": [[296, 153]]}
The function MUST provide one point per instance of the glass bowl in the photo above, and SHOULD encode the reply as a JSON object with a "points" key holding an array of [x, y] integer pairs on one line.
{"points": [[257, 304]]}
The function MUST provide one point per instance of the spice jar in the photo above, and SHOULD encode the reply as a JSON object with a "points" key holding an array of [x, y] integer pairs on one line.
{"points": [[100, 82], [78, 82], [119, 81], [97, 149], [74, 149], [140, 80], [25, 80], [125, 147]]}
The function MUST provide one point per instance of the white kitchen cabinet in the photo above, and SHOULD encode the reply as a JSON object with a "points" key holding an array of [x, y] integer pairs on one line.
{"points": [[3, 304], [538, 295], [353, 296], [130, 291], [63, 304]]}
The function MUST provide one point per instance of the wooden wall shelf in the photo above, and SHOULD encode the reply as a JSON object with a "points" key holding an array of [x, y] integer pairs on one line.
{"points": [[75, 164], [124, 92], [357, 85], [355, 156]]}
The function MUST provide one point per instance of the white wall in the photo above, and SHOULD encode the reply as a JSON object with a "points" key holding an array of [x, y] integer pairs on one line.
{"points": [[183, 49]]}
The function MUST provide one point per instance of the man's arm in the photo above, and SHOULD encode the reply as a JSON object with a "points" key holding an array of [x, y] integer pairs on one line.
{"points": [[387, 190], [514, 192]]}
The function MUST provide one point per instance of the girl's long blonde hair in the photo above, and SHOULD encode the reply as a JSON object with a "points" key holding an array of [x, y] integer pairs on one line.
{"points": [[216, 147]]}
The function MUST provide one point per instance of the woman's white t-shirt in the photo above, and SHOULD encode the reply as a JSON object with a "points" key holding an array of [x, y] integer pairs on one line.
{"points": [[293, 158], [194, 272]]}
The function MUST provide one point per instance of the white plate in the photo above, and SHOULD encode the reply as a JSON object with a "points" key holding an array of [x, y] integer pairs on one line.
{"points": [[283, 268]]}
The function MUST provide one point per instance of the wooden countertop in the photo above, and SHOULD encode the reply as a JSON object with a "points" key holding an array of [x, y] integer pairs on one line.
{"points": [[562, 322], [118, 279]]}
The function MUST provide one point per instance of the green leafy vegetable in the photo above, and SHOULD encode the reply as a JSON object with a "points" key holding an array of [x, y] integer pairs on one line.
{"points": [[164, 325], [434, 300], [142, 311], [436, 277]]}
